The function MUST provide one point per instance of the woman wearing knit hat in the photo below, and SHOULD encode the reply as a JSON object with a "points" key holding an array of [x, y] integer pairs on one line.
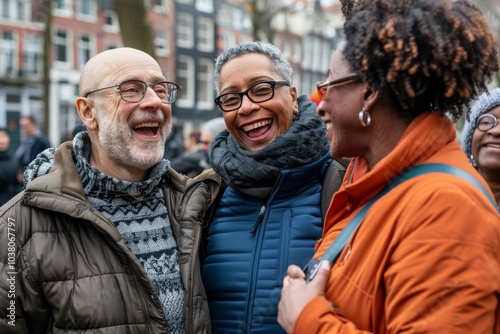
{"points": [[481, 139]]}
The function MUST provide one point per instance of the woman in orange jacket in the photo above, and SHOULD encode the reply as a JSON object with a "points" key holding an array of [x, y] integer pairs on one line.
{"points": [[420, 230]]}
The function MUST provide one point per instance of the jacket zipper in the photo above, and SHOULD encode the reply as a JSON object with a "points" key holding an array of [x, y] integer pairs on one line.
{"points": [[262, 211], [248, 314], [141, 296], [259, 218]]}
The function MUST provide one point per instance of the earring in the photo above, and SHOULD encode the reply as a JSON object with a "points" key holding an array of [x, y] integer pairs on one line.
{"points": [[364, 117], [472, 161]]}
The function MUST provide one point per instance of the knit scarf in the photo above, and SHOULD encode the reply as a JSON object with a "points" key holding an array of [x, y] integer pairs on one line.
{"points": [[139, 212], [303, 143]]}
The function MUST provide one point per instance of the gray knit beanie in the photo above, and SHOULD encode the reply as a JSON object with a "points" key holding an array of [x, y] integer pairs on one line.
{"points": [[485, 103]]}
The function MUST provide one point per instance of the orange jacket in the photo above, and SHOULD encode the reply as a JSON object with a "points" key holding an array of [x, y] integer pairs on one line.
{"points": [[426, 258]]}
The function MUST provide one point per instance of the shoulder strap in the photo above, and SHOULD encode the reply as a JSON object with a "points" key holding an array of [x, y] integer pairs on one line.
{"points": [[333, 252], [332, 181]]}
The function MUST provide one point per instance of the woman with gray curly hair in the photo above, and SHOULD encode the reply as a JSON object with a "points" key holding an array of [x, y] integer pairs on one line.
{"points": [[273, 157], [481, 139]]}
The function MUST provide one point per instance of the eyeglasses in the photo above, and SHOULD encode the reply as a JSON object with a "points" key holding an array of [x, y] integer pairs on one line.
{"points": [[486, 122], [322, 86], [134, 90], [257, 93]]}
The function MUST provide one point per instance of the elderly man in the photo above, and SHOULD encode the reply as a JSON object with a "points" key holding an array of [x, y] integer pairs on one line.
{"points": [[105, 238]]}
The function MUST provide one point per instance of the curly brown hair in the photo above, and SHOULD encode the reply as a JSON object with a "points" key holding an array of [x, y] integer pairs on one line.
{"points": [[422, 55]]}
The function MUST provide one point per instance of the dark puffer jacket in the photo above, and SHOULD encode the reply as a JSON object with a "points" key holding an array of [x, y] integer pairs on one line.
{"points": [[72, 272]]}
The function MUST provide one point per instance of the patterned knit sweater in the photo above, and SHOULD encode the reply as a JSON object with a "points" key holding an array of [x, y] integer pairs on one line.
{"points": [[139, 212]]}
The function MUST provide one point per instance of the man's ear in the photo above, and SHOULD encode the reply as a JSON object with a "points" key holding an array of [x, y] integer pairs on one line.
{"points": [[86, 111]]}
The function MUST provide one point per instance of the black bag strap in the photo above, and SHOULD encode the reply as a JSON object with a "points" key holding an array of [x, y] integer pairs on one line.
{"points": [[332, 180]]}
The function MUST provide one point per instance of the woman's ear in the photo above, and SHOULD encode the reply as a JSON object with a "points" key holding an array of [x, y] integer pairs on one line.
{"points": [[293, 92], [371, 98], [86, 111]]}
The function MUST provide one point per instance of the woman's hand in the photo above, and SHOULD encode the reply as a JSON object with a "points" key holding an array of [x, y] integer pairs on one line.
{"points": [[296, 293]]}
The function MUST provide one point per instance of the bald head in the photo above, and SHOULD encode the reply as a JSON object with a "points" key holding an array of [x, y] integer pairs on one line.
{"points": [[100, 70]]}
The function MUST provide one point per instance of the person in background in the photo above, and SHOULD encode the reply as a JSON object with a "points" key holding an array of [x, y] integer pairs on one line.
{"points": [[272, 157], [100, 245], [481, 139], [193, 162], [32, 143], [174, 145], [423, 256], [209, 130], [9, 186], [192, 140]]}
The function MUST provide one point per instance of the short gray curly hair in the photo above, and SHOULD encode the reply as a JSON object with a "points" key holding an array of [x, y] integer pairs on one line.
{"points": [[484, 103], [279, 62]]}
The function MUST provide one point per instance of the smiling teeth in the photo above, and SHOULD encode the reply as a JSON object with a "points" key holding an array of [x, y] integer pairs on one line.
{"points": [[147, 125], [256, 125], [328, 125], [493, 145]]}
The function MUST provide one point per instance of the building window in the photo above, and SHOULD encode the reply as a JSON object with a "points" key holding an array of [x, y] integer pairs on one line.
{"points": [[8, 56], [287, 47], [85, 49], [228, 40], [161, 43], [62, 7], [5, 10], [205, 34], [206, 6], [205, 90], [112, 45], [297, 52], [32, 55], [111, 22], [61, 43], [185, 30], [185, 78], [159, 6], [86, 9], [18, 10]]}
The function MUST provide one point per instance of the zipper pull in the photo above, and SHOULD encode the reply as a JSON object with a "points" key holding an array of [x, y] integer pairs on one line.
{"points": [[259, 219]]}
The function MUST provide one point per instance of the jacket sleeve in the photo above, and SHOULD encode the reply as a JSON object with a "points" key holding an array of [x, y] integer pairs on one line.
{"points": [[22, 310], [442, 277]]}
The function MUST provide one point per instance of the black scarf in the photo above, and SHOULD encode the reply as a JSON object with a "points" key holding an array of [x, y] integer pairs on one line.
{"points": [[303, 143]]}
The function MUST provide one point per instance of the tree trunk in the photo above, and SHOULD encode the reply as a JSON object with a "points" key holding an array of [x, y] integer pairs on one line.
{"points": [[47, 56], [134, 26]]}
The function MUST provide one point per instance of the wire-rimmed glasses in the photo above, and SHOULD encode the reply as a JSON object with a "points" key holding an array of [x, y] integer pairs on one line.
{"points": [[258, 92], [133, 91], [486, 122]]}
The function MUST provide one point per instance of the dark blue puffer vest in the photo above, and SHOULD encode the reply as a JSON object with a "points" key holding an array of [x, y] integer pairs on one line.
{"points": [[247, 256]]}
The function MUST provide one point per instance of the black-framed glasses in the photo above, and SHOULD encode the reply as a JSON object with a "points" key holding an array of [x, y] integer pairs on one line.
{"points": [[322, 86], [133, 91], [486, 122], [258, 92]]}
